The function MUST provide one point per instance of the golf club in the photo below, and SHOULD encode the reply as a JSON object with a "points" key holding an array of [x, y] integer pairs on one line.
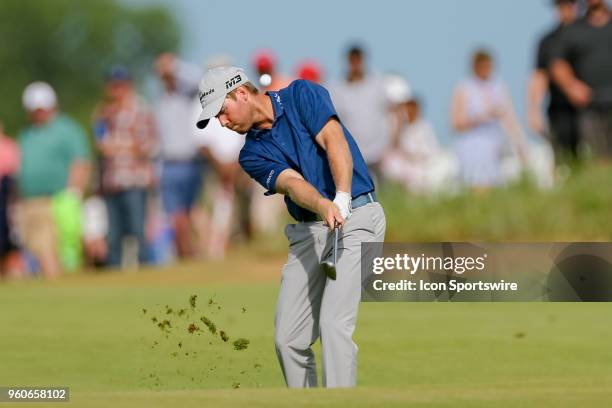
{"points": [[330, 266]]}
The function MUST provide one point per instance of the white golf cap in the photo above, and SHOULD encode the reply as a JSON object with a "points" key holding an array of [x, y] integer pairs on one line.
{"points": [[215, 85], [39, 95], [397, 89]]}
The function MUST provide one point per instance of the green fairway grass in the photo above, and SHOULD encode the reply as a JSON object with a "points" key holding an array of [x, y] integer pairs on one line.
{"points": [[89, 332]]}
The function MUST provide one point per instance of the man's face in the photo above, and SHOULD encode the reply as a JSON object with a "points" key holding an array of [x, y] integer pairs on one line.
{"points": [[567, 10], [235, 114], [355, 62], [40, 116], [117, 89], [595, 4], [412, 111], [483, 69], [169, 82]]}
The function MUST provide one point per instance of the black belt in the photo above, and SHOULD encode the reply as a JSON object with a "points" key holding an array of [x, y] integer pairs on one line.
{"points": [[356, 202]]}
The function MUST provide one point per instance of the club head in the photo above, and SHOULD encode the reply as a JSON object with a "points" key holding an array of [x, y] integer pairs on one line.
{"points": [[330, 269]]}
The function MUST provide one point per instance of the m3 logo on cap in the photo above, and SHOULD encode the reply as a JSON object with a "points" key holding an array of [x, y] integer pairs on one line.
{"points": [[235, 80]]}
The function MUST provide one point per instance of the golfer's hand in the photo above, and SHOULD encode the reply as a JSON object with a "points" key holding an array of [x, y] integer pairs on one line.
{"points": [[343, 202], [330, 213]]}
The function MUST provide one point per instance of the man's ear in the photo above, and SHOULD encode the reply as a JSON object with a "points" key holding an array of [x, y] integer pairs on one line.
{"points": [[242, 93]]}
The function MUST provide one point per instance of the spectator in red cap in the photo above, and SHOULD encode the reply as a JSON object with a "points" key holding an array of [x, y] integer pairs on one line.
{"points": [[265, 64], [310, 70]]}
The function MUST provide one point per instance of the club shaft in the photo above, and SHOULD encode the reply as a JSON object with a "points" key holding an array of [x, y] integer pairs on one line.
{"points": [[336, 233]]}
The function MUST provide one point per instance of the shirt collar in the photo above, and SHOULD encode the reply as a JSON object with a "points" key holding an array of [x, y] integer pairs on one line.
{"points": [[277, 104], [279, 110]]}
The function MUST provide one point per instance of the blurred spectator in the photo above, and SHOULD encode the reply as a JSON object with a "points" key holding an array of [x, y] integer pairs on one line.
{"points": [[221, 147], [362, 106], [562, 116], [417, 147], [415, 158], [582, 67], [126, 140], [265, 64], [483, 115], [310, 70], [398, 92], [54, 168], [181, 174], [9, 166]]}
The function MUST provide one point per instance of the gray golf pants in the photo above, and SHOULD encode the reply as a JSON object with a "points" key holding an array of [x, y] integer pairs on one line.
{"points": [[311, 305]]}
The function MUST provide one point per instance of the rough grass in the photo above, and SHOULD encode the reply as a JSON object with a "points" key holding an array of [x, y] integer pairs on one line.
{"points": [[575, 210]]}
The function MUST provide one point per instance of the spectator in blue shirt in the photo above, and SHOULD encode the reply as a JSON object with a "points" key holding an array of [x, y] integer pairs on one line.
{"points": [[296, 145]]}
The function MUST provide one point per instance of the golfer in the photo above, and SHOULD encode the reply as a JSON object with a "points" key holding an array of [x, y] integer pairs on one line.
{"points": [[297, 146]]}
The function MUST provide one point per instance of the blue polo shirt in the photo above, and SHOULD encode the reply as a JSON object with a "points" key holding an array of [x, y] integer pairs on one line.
{"points": [[300, 112]]}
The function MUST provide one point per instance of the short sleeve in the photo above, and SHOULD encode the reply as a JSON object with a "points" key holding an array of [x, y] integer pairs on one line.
{"points": [[314, 105], [562, 48], [541, 60], [77, 142], [262, 170]]}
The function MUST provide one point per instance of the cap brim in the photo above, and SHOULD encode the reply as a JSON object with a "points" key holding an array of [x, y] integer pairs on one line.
{"points": [[202, 123], [211, 110]]}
